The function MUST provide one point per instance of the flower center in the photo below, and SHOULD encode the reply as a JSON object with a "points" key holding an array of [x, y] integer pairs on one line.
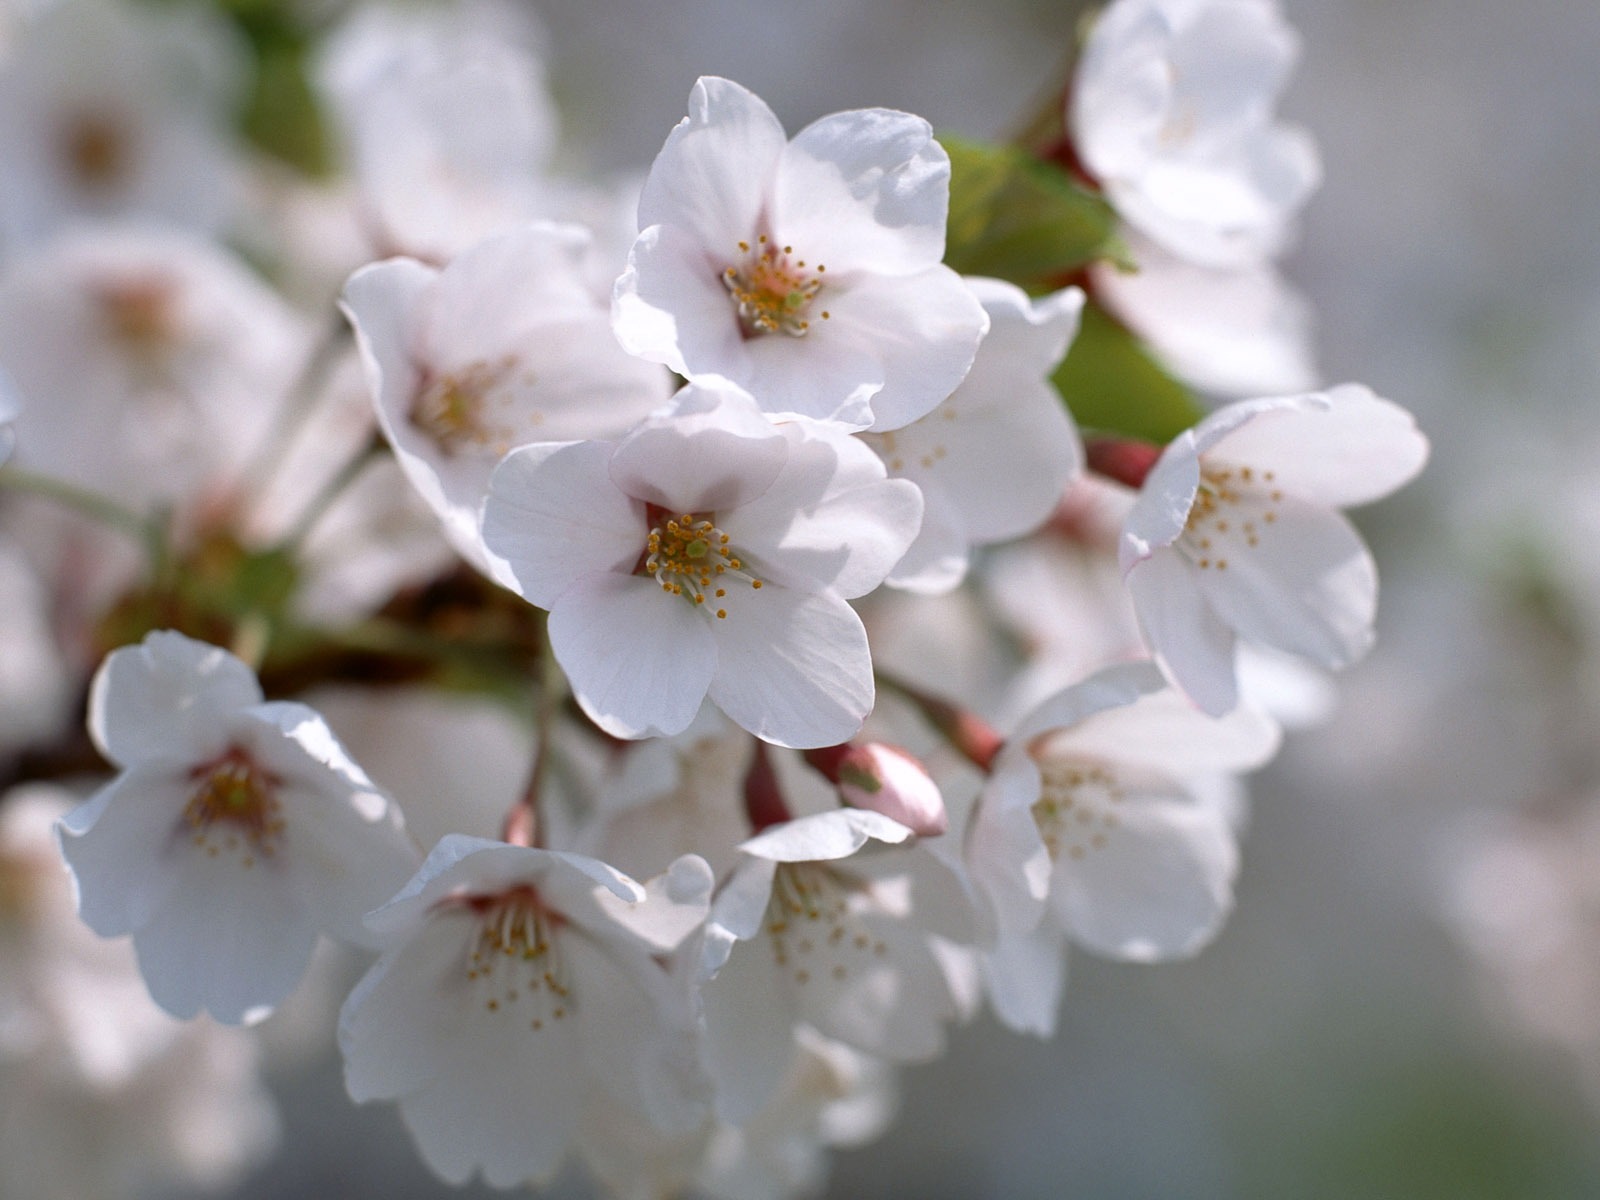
{"points": [[235, 807], [140, 314], [94, 148], [516, 963], [689, 556], [1231, 508], [1075, 811], [453, 410], [814, 931], [772, 290]]}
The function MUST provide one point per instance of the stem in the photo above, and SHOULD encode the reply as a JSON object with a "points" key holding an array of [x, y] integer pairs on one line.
{"points": [[521, 827], [93, 505], [331, 491], [300, 405], [969, 734]]}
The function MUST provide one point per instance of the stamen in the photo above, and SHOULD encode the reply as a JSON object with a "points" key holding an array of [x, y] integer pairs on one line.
{"points": [[689, 557], [235, 798], [772, 293]]}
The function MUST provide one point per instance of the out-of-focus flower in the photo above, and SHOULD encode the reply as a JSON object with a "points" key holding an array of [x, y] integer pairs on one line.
{"points": [[237, 831], [10, 406], [1172, 112], [707, 553], [503, 347], [1236, 534], [807, 271], [1091, 829], [114, 111], [994, 458], [515, 982]]}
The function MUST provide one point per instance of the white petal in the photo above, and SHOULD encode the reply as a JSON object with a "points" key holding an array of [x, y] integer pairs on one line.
{"points": [[170, 697], [936, 560], [554, 515], [1164, 732], [712, 450], [1159, 888], [639, 660], [231, 940], [867, 189], [1308, 586], [670, 306], [1025, 975], [712, 175], [792, 668], [1004, 853], [118, 846], [824, 836], [750, 1023], [1194, 646], [1338, 448]]}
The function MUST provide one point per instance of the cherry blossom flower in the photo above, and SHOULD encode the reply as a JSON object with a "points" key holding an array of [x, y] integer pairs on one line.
{"points": [[708, 553], [504, 346], [1094, 828], [515, 984], [1171, 112], [1004, 423], [1236, 534], [806, 271], [810, 929], [236, 832], [109, 111]]}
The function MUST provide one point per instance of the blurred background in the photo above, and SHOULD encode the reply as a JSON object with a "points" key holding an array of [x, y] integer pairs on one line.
{"points": [[1406, 1002]]}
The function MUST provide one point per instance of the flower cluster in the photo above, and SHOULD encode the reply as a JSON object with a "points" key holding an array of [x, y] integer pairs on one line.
{"points": [[645, 578]]}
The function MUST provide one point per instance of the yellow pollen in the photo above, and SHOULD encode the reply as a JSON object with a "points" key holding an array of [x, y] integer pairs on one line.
{"points": [[771, 293], [454, 410], [680, 552]]}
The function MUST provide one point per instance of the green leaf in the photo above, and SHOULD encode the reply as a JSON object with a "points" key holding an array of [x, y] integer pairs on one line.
{"points": [[1113, 385], [282, 116], [1016, 218]]}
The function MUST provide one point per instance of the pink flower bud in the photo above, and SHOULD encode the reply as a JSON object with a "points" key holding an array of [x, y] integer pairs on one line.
{"points": [[891, 781]]}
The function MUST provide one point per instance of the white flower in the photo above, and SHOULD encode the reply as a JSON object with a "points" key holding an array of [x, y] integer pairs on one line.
{"points": [[503, 347], [1236, 534], [237, 831], [515, 983], [707, 553], [806, 271], [165, 345], [994, 458], [113, 111], [800, 935], [1171, 112], [1093, 828], [1241, 331]]}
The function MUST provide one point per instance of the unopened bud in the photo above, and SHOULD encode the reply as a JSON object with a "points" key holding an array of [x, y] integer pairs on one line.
{"points": [[891, 781]]}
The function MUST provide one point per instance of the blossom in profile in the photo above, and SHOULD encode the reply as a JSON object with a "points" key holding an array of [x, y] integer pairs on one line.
{"points": [[1097, 827], [708, 553], [809, 271], [993, 459], [504, 346], [1172, 114], [236, 832], [519, 988], [1237, 534]]}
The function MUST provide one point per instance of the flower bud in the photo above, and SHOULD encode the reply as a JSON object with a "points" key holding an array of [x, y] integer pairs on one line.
{"points": [[892, 781]]}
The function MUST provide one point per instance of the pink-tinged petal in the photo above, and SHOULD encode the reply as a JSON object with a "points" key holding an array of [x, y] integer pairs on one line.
{"points": [[1160, 885], [170, 697], [670, 306], [825, 836], [640, 660], [1193, 644], [119, 847], [750, 1020], [924, 329], [1307, 586], [712, 175], [230, 939], [712, 450], [792, 668], [1162, 731], [1025, 974], [864, 190], [832, 519], [554, 515], [395, 1029], [1338, 448]]}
